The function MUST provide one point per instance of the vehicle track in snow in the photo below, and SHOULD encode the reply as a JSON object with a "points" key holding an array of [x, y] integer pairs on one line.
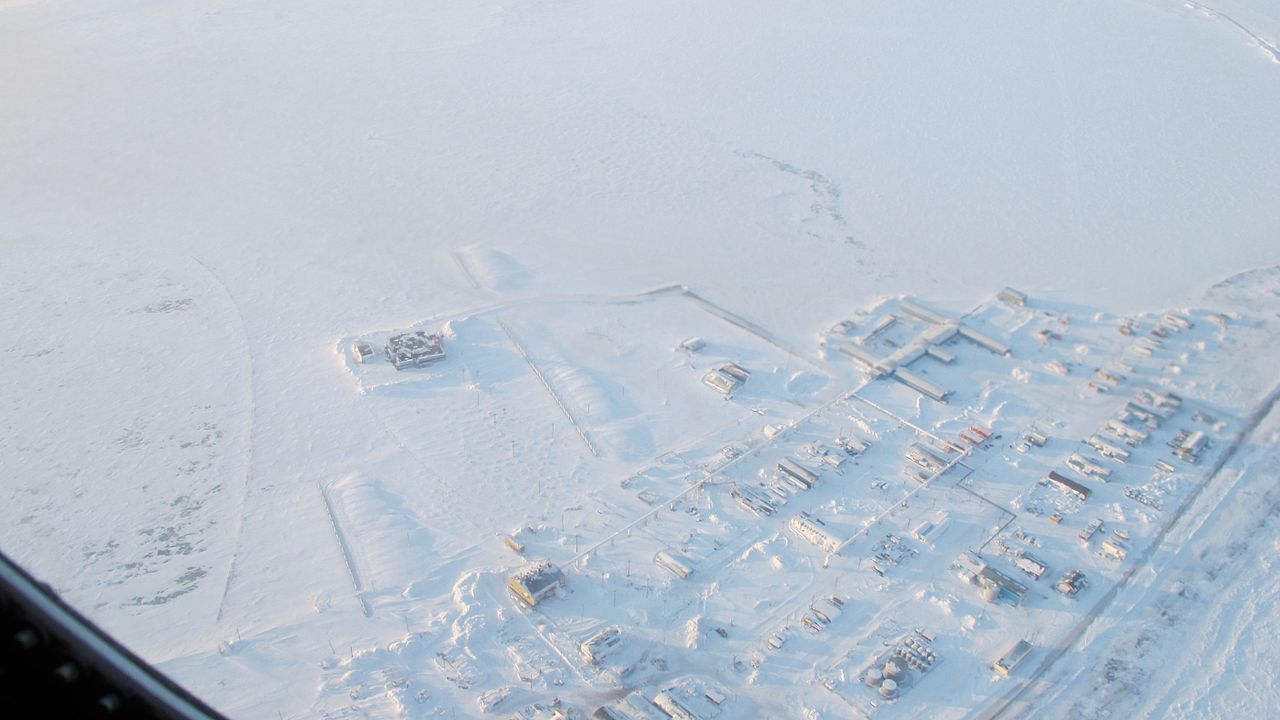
{"points": [[1272, 51], [250, 424]]}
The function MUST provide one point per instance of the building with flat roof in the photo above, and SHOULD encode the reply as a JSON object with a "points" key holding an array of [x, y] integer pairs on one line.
{"points": [[414, 349], [989, 343], [1068, 485], [1005, 587], [1009, 296], [1009, 661], [535, 582], [815, 533], [920, 385]]}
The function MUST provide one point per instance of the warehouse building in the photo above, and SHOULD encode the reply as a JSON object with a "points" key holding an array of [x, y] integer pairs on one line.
{"points": [[816, 533], [920, 385], [1068, 485]]}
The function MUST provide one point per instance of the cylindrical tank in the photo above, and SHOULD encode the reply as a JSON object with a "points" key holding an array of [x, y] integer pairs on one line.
{"points": [[893, 670], [990, 593], [874, 676], [888, 688]]}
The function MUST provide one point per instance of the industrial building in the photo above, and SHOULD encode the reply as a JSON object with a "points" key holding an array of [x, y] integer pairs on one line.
{"points": [[852, 445], [672, 563], [1068, 485], [927, 531], [792, 472], [1071, 583], [921, 313], [998, 586], [721, 382], [414, 349], [989, 343], [1009, 296], [920, 385], [1114, 548], [1132, 437], [726, 378], [693, 344], [1088, 531], [994, 584], [1192, 445], [635, 706], [1012, 658], [868, 361], [926, 458], [1087, 466], [1106, 449], [816, 533], [601, 644], [535, 582], [1031, 565]]}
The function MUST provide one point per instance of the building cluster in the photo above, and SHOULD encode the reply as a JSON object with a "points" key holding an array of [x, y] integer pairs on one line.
{"points": [[923, 462], [993, 585], [901, 666], [684, 699], [931, 342]]}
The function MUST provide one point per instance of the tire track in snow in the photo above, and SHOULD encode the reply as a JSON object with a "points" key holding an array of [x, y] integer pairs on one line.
{"points": [[466, 272], [1269, 48], [249, 431]]}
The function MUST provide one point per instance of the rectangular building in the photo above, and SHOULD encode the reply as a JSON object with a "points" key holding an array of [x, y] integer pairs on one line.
{"points": [[1009, 296], [414, 349], [791, 471], [535, 582], [815, 533], [1012, 658], [672, 564], [1106, 449], [989, 343], [1068, 485], [1006, 587], [921, 313], [920, 385], [925, 458]]}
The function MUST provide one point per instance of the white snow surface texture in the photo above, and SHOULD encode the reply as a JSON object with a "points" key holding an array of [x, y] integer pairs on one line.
{"points": [[200, 198]]}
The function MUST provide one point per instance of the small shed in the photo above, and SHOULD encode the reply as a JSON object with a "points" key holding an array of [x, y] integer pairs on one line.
{"points": [[693, 344]]}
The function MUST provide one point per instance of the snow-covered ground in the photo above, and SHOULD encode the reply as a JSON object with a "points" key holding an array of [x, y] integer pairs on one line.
{"points": [[207, 203]]}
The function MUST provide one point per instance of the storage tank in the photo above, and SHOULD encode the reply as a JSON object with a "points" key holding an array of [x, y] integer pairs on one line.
{"points": [[874, 676], [889, 689], [893, 670], [991, 593]]}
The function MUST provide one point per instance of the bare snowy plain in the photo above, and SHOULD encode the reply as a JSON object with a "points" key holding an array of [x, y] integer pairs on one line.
{"points": [[205, 204]]}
